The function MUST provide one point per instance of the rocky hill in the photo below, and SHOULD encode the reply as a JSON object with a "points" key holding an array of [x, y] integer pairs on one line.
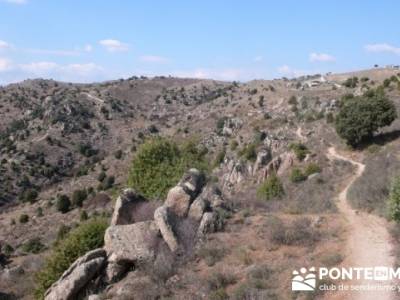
{"points": [[233, 236]]}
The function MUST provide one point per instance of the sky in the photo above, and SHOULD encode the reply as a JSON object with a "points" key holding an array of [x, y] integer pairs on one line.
{"points": [[96, 40]]}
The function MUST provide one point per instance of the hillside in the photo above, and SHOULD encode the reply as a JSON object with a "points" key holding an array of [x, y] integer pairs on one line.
{"points": [[58, 139]]}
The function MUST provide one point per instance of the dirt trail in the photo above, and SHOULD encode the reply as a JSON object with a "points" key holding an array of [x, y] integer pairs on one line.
{"points": [[368, 241]]}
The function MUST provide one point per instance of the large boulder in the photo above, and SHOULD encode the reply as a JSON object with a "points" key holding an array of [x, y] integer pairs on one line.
{"points": [[128, 246], [163, 220], [77, 276], [125, 206], [197, 209], [263, 158], [212, 197], [207, 224], [192, 182], [178, 201]]}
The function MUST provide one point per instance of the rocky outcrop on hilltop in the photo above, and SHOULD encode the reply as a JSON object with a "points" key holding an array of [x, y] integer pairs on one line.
{"points": [[129, 245]]}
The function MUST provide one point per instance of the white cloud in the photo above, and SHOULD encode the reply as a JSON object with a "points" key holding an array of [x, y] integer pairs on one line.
{"points": [[321, 57], [54, 52], [71, 72], [290, 72], [219, 74], [82, 69], [258, 58], [5, 64], [114, 45], [16, 1], [154, 59], [41, 68], [377, 48], [88, 48], [4, 45]]}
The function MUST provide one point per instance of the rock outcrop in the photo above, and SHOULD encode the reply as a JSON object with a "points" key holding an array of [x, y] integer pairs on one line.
{"points": [[163, 220], [77, 276], [124, 205], [129, 244]]}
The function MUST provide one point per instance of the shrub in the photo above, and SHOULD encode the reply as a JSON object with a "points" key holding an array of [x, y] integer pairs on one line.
{"points": [[101, 176], [234, 144], [83, 216], [219, 294], [293, 100], [297, 175], [78, 197], [160, 163], [249, 152], [63, 204], [30, 196], [39, 212], [312, 168], [211, 253], [85, 237], [220, 280], [298, 232], [351, 82], [394, 199], [359, 118], [118, 154], [219, 159], [271, 188], [34, 246], [7, 249], [300, 150], [24, 218]]}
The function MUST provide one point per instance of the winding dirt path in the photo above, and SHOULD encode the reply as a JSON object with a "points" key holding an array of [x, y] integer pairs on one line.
{"points": [[368, 241]]}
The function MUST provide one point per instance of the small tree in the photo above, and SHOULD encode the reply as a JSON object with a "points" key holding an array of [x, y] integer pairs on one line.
{"points": [[360, 117], [78, 197], [297, 175], [271, 188], [394, 199], [63, 204]]}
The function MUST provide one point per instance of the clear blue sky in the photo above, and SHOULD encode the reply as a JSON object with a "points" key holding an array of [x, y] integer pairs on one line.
{"points": [[92, 40]]}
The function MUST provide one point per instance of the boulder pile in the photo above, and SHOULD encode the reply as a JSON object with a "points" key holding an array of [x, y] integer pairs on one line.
{"points": [[129, 244]]}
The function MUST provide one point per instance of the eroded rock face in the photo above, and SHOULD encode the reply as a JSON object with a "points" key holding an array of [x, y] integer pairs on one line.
{"points": [[263, 158], [77, 276], [132, 243], [207, 224], [178, 201], [124, 206], [163, 220], [192, 182], [188, 214], [128, 246], [197, 209]]}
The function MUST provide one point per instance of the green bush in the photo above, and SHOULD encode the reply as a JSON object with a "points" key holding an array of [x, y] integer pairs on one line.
{"points": [[300, 150], [34, 245], [24, 218], [233, 145], [78, 197], [63, 204], [271, 188], [249, 152], [394, 200], [85, 237], [219, 159], [351, 82], [297, 175], [360, 117], [312, 168], [160, 163], [30, 196]]}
